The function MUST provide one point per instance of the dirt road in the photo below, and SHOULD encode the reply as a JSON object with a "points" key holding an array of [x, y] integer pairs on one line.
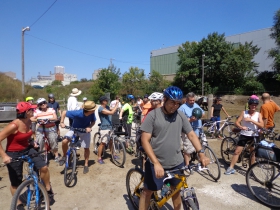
{"points": [[104, 187]]}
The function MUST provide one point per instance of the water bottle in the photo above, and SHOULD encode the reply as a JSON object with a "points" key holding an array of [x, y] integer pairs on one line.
{"points": [[165, 189]]}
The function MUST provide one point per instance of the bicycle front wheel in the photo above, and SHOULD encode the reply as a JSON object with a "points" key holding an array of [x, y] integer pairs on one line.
{"points": [[96, 142], [263, 183], [214, 169], [27, 195], [118, 152], [227, 130], [189, 204], [70, 167], [228, 147], [134, 186]]}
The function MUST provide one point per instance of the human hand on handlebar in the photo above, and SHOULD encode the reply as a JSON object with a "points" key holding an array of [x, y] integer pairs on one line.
{"points": [[203, 159]]}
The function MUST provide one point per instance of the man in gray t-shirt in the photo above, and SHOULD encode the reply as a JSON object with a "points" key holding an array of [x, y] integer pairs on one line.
{"points": [[161, 140]]}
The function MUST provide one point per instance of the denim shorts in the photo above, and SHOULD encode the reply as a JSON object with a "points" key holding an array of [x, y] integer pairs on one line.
{"points": [[154, 184]]}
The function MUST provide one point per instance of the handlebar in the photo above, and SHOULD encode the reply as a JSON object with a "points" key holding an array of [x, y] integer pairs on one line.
{"points": [[230, 117], [24, 157], [44, 121], [170, 175], [82, 130]]}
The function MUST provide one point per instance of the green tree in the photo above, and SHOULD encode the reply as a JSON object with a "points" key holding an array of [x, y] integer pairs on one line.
{"points": [[225, 65], [274, 53], [84, 80], [107, 82], [56, 82], [133, 81], [155, 83]]}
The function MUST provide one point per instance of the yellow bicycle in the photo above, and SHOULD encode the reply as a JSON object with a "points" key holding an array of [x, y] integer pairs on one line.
{"points": [[135, 185]]}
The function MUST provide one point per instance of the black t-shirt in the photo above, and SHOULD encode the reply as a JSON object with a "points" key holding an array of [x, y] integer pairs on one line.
{"points": [[217, 109], [54, 105]]}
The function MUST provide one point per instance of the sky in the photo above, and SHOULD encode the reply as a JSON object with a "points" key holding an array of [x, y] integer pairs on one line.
{"points": [[83, 35]]}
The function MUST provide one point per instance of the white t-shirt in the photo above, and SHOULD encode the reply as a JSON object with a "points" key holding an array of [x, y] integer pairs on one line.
{"points": [[113, 104], [250, 125], [72, 104]]}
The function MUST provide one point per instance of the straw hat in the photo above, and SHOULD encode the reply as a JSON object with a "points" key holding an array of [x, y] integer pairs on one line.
{"points": [[75, 92], [89, 106]]}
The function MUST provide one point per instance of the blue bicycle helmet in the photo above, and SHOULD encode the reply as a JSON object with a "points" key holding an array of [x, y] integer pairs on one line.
{"points": [[253, 101], [130, 97], [173, 93]]}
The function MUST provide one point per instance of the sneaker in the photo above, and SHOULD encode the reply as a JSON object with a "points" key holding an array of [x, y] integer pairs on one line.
{"points": [[62, 161], [100, 161], [229, 171], [85, 169], [57, 159], [20, 207], [116, 157]]}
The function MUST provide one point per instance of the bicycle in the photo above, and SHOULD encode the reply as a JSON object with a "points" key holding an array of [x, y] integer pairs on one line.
{"points": [[213, 168], [71, 156], [229, 145], [136, 118], [118, 153], [263, 181], [31, 192], [135, 185], [226, 129]]}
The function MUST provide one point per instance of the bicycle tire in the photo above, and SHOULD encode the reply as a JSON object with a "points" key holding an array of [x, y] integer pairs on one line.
{"points": [[70, 168], [259, 180], [118, 150], [21, 193], [189, 204], [227, 130], [134, 179], [214, 169], [96, 139], [228, 147]]}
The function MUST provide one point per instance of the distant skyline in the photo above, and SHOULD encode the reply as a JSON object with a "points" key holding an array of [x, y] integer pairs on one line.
{"points": [[84, 35]]}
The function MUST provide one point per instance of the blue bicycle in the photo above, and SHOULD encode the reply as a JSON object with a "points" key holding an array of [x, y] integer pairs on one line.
{"points": [[31, 193], [71, 156]]}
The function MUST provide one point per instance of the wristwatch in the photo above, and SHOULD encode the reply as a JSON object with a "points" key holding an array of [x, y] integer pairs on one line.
{"points": [[201, 151]]}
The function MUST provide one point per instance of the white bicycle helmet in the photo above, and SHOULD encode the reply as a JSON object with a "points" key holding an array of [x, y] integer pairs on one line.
{"points": [[40, 100], [156, 96]]}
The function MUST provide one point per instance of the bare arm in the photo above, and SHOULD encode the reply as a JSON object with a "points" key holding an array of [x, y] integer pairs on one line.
{"points": [[238, 121], [8, 130], [112, 111], [145, 139], [63, 115], [224, 110], [89, 129], [212, 111], [121, 113], [196, 143]]}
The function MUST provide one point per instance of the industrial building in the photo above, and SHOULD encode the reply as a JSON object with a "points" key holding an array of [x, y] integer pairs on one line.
{"points": [[165, 60]]}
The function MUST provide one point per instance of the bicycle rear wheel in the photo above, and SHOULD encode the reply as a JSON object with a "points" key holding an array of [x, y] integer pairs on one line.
{"points": [[227, 130], [134, 186], [26, 193], [118, 152], [96, 142], [228, 147], [263, 183], [214, 169], [70, 167]]}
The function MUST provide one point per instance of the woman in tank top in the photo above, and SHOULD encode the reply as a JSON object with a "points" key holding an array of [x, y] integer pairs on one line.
{"points": [[18, 134], [251, 120]]}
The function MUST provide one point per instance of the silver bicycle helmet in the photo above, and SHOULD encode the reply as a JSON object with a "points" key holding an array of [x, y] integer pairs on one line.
{"points": [[156, 96]]}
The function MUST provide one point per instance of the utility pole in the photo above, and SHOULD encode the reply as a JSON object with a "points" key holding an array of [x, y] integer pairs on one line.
{"points": [[202, 80], [22, 56]]}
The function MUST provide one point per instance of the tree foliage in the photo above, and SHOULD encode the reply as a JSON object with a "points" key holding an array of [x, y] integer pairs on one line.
{"points": [[274, 53], [226, 66], [107, 82]]}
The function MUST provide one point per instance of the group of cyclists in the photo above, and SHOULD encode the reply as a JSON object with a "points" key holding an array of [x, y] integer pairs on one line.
{"points": [[165, 121]]}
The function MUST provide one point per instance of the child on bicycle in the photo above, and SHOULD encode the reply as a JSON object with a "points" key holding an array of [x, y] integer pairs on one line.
{"points": [[248, 119], [18, 134]]}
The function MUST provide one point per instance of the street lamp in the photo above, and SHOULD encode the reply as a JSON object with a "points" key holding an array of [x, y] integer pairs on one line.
{"points": [[202, 80], [22, 56]]}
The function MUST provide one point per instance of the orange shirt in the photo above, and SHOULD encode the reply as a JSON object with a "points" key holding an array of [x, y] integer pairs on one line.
{"points": [[146, 108], [268, 110]]}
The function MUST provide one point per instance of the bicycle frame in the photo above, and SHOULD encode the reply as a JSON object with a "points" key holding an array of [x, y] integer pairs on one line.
{"points": [[72, 146]]}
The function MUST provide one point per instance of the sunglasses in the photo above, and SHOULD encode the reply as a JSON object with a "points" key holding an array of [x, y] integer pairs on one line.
{"points": [[40, 104]]}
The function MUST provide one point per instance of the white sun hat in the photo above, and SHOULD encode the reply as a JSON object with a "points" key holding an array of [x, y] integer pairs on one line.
{"points": [[75, 92]]}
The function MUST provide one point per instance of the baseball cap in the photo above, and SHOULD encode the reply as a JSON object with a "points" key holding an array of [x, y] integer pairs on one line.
{"points": [[24, 106]]}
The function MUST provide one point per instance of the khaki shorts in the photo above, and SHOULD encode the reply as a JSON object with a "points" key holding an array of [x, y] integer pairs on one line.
{"points": [[84, 138], [51, 134], [105, 136], [187, 144]]}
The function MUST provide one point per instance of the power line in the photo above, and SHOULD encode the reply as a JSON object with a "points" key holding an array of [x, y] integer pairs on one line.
{"points": [[120, 61], [43, 13]]}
